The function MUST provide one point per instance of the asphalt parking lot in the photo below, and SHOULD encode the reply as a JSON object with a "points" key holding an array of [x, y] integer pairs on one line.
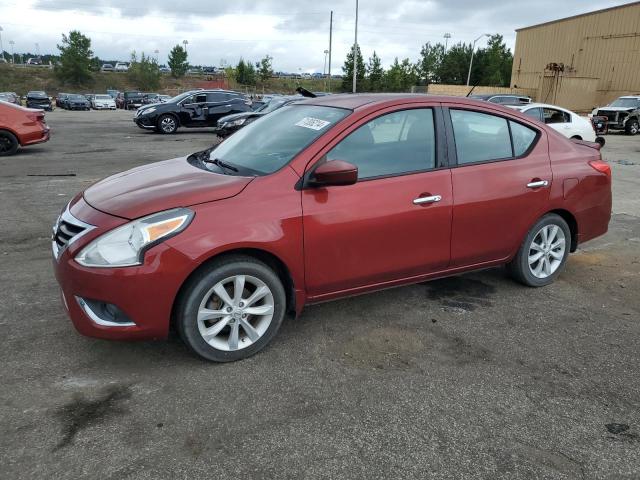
{"points": [[467, 377]]}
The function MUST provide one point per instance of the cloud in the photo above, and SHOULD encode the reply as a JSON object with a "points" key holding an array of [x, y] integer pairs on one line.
{"points": [[295, 33]]}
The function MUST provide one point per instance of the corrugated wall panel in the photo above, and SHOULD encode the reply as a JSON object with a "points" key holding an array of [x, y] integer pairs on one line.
{"points": [[604, 45]]}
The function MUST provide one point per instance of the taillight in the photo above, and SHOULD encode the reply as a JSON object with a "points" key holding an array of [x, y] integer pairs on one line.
{"points": [[602, 167]]}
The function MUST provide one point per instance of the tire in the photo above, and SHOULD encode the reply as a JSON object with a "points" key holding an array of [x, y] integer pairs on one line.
{"points": [[632, 127], [542, 272], [167, 124], [8, 144], [201, 292]]}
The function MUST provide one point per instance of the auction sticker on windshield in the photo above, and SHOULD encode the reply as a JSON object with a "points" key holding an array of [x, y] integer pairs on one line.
{"points": [[312, 123]]}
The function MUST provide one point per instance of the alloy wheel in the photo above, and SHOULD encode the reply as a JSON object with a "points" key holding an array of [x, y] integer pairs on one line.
{"points": [[168, 124], [547, 251], [235, 313], [5, 144]]}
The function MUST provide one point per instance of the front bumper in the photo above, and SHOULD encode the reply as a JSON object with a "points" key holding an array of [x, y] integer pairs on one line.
{"points": [[47, 106], [144, 293], [148, 121]]}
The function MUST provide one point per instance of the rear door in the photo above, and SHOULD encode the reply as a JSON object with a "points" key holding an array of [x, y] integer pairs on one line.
{"points": [[395, 222], [220, 104], [501, 182]]}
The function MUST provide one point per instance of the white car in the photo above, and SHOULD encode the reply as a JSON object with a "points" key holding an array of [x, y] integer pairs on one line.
{"points": [[103, 102], [121, 67], [565, 121]]}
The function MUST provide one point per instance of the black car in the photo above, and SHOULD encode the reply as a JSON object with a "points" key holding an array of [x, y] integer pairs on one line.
{"points": [[61, 99], [231, 123], [503, 98], [199, 108], [77, 102], [39, 99]]}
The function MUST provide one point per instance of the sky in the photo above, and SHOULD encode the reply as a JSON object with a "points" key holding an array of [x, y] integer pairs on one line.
{"points": [[294, 32]]}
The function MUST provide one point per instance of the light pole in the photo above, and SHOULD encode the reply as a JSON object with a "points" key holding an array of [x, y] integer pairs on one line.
{"points": [[473, 50], [185, 43], [355, 51], [447, 36], [38, 50], [13, 58], [324, 69], [1, 47], [156, 51]]}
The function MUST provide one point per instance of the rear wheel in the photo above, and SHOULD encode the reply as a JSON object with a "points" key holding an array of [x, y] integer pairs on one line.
{"points": [[231, 309], [632, 127], [543, 253], [8, 144], [167, 124]]}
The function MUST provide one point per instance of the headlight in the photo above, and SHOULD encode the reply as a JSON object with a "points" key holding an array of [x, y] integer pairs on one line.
{"points": [[125, 245], [148, 110], [237, 123]]}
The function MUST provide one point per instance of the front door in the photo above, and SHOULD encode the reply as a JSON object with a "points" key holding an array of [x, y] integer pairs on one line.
{"points": [[395, 222], [193, 111]]}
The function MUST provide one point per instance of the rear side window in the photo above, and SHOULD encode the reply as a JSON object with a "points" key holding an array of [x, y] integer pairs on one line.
{"points": [[523, 137], [480, 137], [534, 113], [391, 144]]}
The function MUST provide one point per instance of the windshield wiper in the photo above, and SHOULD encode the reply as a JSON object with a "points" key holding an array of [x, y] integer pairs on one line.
{"points": [[221, 164]]}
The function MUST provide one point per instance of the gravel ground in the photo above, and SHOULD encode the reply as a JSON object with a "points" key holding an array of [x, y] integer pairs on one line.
{"points": [[468, 377]]}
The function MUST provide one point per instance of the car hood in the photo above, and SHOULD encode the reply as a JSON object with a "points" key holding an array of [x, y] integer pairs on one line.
{"points": [[236, 116], [617, 109], [161, 186]]}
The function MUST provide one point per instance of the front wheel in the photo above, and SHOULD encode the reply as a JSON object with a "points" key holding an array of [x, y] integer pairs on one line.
{"points": [[167, 124], [231, 309], [632, 127], [8, 144], [543, 253]]}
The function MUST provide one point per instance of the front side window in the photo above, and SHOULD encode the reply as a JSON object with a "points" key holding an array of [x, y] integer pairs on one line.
{"points": [[391, 144], [269, 143], [480, 137]]}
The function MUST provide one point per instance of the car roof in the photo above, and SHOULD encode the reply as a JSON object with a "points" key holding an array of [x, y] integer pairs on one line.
{"points": [[630, 96], [528, 106], [356, 101]]}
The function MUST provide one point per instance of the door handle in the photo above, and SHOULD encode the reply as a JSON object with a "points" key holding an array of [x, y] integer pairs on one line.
{"points": [[430, 199], [538, 184]]}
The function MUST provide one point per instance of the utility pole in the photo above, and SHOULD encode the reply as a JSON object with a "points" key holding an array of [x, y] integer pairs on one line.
{"points": [[355, 51], [473, 50], [13, 58], [1, 47], [330, 46]]}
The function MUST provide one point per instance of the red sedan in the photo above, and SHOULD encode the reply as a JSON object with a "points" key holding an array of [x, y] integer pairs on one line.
{"points": [[20, 126], [328, 197]]}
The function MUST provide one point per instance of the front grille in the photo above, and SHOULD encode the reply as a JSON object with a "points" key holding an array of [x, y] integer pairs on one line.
{"points": [[611, 116], [67, 230]]}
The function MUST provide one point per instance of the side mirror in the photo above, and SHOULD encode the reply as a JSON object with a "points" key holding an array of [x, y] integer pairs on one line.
{"points": [[334, 172]]}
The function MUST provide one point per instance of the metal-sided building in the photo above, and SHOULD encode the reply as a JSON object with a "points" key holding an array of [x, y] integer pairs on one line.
{"points": [[581, 61]]}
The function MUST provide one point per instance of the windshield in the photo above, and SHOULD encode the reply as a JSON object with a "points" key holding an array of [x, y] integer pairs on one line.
{"points": [[36, 94], [182, 96], [103, 97], [625, 103], [272, 105], [269, 143], [77, 97]]}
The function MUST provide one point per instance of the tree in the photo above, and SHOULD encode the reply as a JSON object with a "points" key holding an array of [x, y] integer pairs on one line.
{"points": [[245, 73], [347, 68], [75, 58], [496, 62], [265, 69], [178, 61], [431, 57], [375, 73], [401, 76], [144, 73], [455, 65]]}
